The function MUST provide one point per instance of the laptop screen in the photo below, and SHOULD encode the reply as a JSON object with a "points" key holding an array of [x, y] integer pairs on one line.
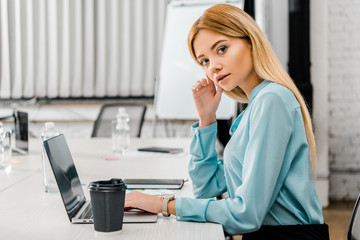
{"points": [[21, 130], [65, 173]]}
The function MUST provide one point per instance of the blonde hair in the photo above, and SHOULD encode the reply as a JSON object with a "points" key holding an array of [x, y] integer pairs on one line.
{"points": [[234, 22]]}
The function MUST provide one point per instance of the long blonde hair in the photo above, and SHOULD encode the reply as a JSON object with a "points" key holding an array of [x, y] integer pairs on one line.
{"points": [[234, 22]]}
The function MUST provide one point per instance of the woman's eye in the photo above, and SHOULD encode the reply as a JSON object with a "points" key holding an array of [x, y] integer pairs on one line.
{"points": [[204, 62], [222, 49]]}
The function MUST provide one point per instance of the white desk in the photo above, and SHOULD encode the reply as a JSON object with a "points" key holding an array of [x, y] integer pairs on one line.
{"points": [[27, 212]]}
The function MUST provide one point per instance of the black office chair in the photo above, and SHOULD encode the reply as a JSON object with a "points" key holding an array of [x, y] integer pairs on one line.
{"points": [[354, 228], [102, 125], [2, 118]]}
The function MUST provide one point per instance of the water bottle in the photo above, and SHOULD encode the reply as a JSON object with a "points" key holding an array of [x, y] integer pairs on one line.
{"points": [[48, 175], [2, 150], [121, 132], [5, 147]]}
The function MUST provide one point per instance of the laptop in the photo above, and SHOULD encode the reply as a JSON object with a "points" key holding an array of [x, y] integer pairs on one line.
{"points": [[77, 207]]}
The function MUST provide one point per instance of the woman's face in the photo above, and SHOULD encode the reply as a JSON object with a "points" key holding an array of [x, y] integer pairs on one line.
{"points": [[227, 61]]}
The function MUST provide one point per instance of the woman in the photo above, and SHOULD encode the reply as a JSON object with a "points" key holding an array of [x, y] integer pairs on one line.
{"points": [[269, 162]]}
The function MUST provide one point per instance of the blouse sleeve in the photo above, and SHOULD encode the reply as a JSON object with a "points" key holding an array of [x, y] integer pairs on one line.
{"points": [[269, 133], [205, 170]]}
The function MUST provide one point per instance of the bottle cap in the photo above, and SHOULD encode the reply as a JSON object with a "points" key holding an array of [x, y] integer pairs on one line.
{"points": [[121, 110], [49, 125]]}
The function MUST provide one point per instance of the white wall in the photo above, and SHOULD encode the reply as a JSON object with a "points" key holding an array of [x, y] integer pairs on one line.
{"points": [[344, 97], [273, 19], [319, 80]]}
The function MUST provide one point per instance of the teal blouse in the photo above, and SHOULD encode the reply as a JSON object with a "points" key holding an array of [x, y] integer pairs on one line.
{"points": [[265, 169]]}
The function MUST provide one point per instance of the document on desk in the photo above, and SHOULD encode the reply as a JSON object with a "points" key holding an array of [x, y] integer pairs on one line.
{"points": [[154, 183], [154, 154], [155, 192], [170, 150]]}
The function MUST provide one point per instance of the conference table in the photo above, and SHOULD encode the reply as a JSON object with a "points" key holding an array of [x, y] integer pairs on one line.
{"points": [[27, 212]]}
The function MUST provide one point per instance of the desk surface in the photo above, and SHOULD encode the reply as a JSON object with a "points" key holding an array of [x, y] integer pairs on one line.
{"points": [[27, 212]]}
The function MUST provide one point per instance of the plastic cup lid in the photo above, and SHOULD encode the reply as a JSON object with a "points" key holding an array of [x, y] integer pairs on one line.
{"points": [[112, 185]]}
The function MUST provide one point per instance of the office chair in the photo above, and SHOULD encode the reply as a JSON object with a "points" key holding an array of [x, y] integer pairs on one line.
{"points": [[102, 125], [354, 228], [6, 117]]}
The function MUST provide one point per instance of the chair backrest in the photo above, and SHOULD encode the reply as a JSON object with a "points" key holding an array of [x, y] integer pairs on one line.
{"points": [[102, 125], [354, 228]]}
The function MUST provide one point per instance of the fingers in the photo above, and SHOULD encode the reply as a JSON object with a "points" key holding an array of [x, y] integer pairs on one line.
{"points": [[204, 83], [218, 93], [211, 83], [199, 84]]}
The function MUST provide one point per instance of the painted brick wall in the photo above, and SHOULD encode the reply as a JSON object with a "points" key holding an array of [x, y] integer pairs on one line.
{"points": [[344, 98]]}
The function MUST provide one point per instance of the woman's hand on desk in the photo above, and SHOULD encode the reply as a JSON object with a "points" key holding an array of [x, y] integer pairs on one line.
{"points": [[146, 202]]}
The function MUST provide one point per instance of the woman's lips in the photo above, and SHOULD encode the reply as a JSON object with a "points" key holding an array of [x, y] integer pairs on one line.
{"points": [[221, 78]]}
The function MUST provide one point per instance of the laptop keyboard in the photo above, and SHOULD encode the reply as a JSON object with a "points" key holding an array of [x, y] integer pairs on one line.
{"points": [[87, 213]]}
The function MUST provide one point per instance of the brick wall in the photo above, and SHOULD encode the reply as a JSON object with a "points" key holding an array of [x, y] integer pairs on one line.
{"points": [[344, 98]]}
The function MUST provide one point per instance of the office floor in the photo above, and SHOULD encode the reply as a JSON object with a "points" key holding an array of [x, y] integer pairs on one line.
{"points": [[337, 216]]}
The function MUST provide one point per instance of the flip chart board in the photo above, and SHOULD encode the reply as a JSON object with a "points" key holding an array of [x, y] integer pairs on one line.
{"points": [[178, 71]]}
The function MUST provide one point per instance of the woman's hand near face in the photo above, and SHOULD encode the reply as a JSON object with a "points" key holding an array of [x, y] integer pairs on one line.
{"points": [[207, 99], [138, 200]]}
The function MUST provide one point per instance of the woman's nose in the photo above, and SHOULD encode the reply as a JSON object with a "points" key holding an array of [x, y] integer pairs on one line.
{"points": [[215, 67]]}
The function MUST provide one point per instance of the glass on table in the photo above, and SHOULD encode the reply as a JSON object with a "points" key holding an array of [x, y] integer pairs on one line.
{"points": [[5, 149]]}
